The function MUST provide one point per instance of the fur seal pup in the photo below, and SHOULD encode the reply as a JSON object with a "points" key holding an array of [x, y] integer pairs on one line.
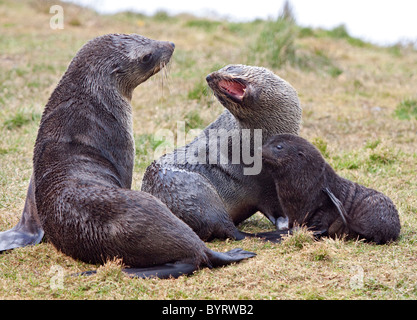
{"points": [[83, 161], [312, 194], [214, 183]]}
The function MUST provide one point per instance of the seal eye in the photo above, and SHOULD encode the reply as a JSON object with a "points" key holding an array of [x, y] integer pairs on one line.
{"points": [[235, 69], [147, 58], [279, 147]]}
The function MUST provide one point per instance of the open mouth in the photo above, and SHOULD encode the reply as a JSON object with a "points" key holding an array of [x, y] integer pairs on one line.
{"points": [[234, 89]]}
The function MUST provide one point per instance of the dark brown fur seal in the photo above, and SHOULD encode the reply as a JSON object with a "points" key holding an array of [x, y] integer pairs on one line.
{"points": [[312, 194], [83, 161], [212, 189]]}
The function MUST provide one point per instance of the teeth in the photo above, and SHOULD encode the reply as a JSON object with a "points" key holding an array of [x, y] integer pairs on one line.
{"points": [[234, 88]]}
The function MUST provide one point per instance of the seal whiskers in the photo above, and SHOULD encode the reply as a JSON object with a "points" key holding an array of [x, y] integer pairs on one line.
{"points": [[165, 68]]}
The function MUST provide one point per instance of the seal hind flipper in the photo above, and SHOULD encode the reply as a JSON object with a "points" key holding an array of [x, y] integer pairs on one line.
{"points": [[165, 271], [218, 259], [272, 236], [175, 270], [15, 238], [28, 231]]}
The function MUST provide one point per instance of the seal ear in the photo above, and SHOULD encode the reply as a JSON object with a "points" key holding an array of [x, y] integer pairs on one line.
{"points": [[115, 68], [301, 153]]}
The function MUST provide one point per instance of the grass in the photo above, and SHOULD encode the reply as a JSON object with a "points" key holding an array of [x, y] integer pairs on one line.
{"points": [[21, 118], [358, 108], [407, 109]]}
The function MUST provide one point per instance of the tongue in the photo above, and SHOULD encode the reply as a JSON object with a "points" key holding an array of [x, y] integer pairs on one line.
{"points": [[233, 88]]}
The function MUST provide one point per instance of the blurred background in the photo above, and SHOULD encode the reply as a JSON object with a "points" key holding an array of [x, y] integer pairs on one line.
{"points": [[382, 22]]}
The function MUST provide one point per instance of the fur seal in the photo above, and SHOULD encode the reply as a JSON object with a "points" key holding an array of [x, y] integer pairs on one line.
{"points": [[214, 188], [83, 161], [312, 194]]}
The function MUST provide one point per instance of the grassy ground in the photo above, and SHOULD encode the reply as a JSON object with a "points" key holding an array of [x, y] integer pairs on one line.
{"points": [[360, 109]]}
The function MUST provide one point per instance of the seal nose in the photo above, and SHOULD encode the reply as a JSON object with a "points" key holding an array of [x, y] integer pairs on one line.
{"points": [[172, 45], [209, 78]]}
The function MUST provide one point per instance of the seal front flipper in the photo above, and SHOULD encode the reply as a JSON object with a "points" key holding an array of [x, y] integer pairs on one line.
{"points": [[320, 234], [338, 204], [28, 231], [272, 236]]}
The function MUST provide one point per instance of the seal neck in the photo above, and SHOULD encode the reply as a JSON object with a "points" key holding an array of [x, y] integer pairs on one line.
{"points": [[271, 124]]}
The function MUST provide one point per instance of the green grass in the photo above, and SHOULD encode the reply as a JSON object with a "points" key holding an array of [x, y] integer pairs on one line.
{"points": [[21, 118], [407, 109], [359, 109], [321, 144], [199, 91], [205, 25], [277, 46], [276, 43], [338, 32]]}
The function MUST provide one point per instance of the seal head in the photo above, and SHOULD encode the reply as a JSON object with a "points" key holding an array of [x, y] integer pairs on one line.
{"points": [[257, 97], [123, 61], [286, 153]]}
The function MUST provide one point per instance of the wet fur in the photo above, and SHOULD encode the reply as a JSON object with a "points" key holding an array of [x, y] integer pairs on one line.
{"points": [[303, 182]]}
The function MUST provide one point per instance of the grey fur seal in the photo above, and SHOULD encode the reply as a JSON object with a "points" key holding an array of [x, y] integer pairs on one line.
{"points": [[83, 161], [312, 194], [215, 182]]}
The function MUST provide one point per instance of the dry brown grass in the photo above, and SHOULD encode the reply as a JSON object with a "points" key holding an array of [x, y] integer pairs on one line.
{"points": [[351, 115]]}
